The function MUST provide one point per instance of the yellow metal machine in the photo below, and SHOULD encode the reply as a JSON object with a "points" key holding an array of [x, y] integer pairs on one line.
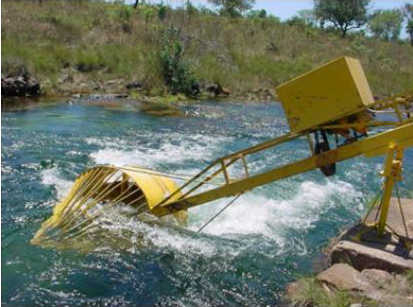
{"points": [[333, 101]]}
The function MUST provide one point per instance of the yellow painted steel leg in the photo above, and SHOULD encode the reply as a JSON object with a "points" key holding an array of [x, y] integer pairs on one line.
{"points": [[390, 172]]}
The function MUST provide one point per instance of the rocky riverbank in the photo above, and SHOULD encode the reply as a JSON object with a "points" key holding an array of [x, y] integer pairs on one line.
{"points": [[75, 84], [21, 85], [365, 270]]}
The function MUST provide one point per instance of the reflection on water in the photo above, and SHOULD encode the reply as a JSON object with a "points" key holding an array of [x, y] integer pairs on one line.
{"points": [[245, 257]]}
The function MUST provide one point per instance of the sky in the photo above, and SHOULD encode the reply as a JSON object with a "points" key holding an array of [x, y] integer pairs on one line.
{"points": [[288, 8]]}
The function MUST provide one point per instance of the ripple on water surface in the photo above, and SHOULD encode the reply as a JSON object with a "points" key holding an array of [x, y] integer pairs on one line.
{"points": [[244, 257]]}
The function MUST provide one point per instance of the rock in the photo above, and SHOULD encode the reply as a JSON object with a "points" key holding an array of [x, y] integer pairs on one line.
{"points": [[293, 292], [344, 277], [292, 289], [403, 284], [386, 297], [134, 85], [66, 79], [22, 85], [378, 278], [84, 87], [113, 82], [364, 255], [356, 305], [217, 90]]}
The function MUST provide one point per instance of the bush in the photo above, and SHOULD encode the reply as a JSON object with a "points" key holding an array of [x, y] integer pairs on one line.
{"points": [[162, 10], [176, 71]]}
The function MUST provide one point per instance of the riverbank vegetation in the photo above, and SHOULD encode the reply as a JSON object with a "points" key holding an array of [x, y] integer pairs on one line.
{"points": [[98, 47]]}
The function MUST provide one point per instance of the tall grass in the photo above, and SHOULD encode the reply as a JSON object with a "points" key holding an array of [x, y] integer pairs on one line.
{"points": [[107, 40]]}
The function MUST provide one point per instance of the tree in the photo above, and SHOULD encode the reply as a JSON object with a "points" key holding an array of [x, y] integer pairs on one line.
{"points": [[233, 8], [386, 24], [308, 17], [408, 13], [343, 14], [257, 14]]}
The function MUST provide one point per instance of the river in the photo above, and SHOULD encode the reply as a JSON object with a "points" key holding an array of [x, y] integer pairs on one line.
{"points": [[246, 257]]}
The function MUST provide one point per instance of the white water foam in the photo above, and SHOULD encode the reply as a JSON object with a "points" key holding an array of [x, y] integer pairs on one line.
{"points": [[53, 177], [254, 214], [186, 148]]}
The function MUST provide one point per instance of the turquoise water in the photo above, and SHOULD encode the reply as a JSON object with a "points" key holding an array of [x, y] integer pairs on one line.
{"points": [[245, 257]]}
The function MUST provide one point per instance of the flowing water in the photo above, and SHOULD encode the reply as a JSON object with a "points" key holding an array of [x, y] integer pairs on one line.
{"points": [[245, 257]]}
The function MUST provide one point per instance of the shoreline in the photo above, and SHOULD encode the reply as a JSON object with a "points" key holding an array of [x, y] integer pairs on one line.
{"points": [[362, 271], [158, 106]]}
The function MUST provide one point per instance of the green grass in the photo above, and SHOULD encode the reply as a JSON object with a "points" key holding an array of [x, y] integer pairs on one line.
{"points": [[312, 292], [409, 276], [102, 41]]}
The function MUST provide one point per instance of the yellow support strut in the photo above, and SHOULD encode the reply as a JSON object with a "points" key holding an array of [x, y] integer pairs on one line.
{"points": [[371, 146], [392, 172]]}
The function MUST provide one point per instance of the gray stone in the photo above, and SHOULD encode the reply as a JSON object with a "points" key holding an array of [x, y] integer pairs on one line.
{"points": [[293, 288], [344, 277], [22, 85], [113, 82], [376, 295], [363, 255], [403, 284], [378, 278], [363, 248]]}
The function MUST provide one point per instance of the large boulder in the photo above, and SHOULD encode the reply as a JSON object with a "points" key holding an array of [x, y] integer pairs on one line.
{"points": [[22, 85], [344, 277]]}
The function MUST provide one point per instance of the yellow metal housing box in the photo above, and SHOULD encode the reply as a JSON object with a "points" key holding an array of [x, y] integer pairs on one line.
{"points": [[327, 93]]}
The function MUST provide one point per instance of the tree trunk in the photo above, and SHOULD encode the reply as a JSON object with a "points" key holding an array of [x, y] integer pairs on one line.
{"points": [[343, 31]]}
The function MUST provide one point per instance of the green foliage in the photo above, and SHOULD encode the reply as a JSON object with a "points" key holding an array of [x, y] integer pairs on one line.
{"points": [[408, 13], [409, 30], [273, 19], [124, 12], [190, 8], [296, 21], [148, 12], [308, 16], [162, 11], [233, 8], [246, 54], [176, 71], [313, 294], [343, 14], [257, 14], [386, 24]]}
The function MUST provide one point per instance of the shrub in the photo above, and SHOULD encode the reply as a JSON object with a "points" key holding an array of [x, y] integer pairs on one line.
{"points": [[176, 71]]}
